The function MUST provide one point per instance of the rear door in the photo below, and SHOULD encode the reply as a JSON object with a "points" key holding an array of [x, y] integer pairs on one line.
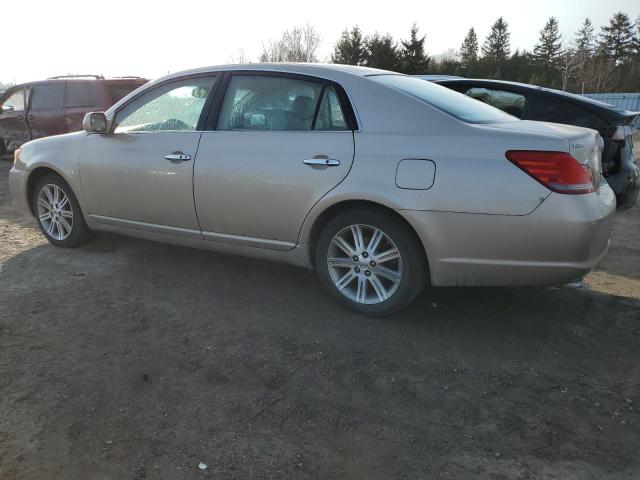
{"points": [[46, 112], [280, 143], [13, 121], [80, 98]]}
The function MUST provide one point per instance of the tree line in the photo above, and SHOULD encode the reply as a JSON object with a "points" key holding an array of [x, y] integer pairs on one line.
{"points": [[590, 61]]}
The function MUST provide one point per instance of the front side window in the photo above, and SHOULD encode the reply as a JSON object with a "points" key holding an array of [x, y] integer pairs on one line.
{"points": [[15, 102], [173, 107], [47, 96], [444, 99], [509, 102], [255, 102]]}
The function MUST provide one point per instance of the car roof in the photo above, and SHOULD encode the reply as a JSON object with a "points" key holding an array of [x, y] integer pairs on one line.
{"points": [[607, 110], [81, 78], [289, 67]]}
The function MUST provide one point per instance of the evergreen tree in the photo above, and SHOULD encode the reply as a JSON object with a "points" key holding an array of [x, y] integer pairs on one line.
{"points": [[638, 38], [469, 51], [519, 67], [496, 47], [381, 52], [549, 47], [583, 51], [414, 60], [617, 40], [584, 40], [350, 49]]}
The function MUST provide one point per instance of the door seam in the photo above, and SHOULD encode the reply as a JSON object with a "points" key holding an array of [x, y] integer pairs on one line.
{"points": [[193, 184]]}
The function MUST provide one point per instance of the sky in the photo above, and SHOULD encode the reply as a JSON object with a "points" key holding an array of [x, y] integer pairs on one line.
{"points": [[44, 38]]}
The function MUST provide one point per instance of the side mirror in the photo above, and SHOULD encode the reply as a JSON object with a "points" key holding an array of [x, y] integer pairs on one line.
{"points": [[95, 122], [7, 108]]}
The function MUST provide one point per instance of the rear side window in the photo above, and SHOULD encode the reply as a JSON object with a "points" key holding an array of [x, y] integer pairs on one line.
{"points": [[509, 102], [81, 94], [444, 99], [254, 102], [47, 96], [330, 114]]}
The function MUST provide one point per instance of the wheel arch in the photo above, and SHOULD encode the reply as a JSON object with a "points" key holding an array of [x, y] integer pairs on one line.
{"points": [[325, 216], [35, 175]]}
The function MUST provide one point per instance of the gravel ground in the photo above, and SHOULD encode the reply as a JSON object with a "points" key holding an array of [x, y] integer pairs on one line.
{"points": [[132, 359]]}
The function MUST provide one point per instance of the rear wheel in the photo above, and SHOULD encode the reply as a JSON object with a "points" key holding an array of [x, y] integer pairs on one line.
{"points": [[58, 213], [370, 261]]}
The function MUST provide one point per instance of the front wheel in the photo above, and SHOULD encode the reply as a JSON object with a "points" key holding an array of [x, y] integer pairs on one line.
{"points": [[370, 261], [58, 212]]}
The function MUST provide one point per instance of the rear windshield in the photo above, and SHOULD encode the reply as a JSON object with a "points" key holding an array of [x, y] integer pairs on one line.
{"points": [[455, 104]]}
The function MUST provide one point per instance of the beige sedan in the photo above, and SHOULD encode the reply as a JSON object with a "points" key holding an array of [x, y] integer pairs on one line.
{"points": [[380, 182]]}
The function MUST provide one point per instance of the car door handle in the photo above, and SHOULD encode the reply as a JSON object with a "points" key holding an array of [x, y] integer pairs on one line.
{"points": [[31, 117], [177, 157], [20, 118], [322, 161]]}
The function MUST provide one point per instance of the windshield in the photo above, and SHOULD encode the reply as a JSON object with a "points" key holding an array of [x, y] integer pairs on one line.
{"points": [[455, 104]]}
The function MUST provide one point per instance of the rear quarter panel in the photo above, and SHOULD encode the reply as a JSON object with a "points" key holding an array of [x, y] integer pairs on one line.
{"points": [[472, 174]]}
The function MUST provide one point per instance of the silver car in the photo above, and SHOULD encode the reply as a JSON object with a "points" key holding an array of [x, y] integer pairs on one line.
{"points": [[380, 182]]}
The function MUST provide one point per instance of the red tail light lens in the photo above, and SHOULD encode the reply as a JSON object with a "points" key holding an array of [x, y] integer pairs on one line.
{"points": [[558, 171]]}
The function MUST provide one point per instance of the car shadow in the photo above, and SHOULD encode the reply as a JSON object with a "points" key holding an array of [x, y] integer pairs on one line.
{"points": [[156, 272]]}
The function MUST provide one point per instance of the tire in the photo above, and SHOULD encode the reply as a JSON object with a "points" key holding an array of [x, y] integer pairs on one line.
{"points": [[64, 226], [366, 281]]}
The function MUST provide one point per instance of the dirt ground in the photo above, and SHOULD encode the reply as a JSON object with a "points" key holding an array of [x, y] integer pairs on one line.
{"points": [[132, 359]]}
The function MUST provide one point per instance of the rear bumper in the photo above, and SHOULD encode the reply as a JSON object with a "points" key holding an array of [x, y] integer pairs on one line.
{"points": [[18, 189], [563, 239]]}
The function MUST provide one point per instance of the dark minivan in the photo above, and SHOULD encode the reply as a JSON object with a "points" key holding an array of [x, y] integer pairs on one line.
{"points": [[530, 102], [56, 105]]}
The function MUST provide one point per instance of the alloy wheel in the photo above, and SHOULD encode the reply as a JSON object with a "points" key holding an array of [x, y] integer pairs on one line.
{"points": [[55, 212], [365, 264]]}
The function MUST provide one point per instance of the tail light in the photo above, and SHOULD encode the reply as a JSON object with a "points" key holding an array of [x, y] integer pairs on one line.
{"points": [[558, 171]]}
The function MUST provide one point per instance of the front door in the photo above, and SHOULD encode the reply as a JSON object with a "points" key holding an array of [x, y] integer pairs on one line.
{"points": [[280, 145], [141, 175], [13, 120]]}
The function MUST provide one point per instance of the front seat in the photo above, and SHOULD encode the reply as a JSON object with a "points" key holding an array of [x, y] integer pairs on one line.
{"points": [[302, 113]]}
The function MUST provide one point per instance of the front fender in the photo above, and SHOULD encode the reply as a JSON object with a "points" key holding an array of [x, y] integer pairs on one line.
{"points": [[60, 154]]}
